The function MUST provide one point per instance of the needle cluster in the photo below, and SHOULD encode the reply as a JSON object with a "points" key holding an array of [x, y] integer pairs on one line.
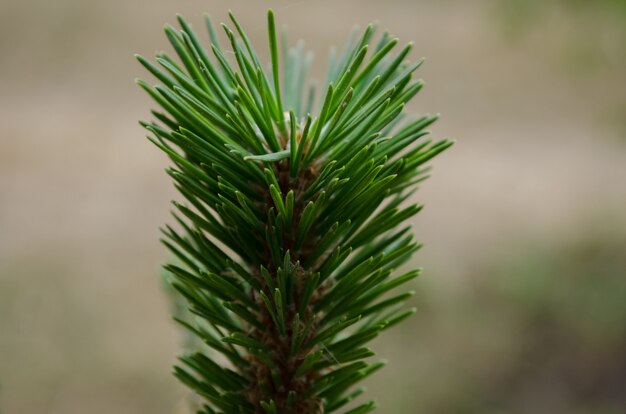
{"points": [[294, 216]]}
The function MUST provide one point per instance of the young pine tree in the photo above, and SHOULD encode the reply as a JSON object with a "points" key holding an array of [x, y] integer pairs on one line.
{"points": [[294, 218]]}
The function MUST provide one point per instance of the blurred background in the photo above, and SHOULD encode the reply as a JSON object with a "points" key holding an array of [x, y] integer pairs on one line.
{"points": [[522, 304]]}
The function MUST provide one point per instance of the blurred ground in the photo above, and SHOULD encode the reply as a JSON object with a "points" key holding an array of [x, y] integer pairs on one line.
{"points": [[522, 302]]}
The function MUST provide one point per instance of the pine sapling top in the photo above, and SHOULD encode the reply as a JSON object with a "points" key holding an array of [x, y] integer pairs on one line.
{"points": [[294, 212]]}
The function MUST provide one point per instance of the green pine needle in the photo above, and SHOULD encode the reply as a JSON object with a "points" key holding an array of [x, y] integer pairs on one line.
{"points": [[294, 221]]}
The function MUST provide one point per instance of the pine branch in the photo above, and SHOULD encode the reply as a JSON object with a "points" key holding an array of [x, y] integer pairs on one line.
{"points": [[294, 221]]}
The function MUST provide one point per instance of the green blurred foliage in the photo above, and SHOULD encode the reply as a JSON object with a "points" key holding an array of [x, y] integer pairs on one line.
{"points": [[589, 34], [584, 40], [519, 15], [542, 330]]}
